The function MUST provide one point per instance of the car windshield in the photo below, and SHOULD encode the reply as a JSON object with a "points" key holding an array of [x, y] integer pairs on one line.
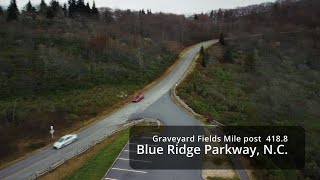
{"points": [[61, 140], [137, 96]]}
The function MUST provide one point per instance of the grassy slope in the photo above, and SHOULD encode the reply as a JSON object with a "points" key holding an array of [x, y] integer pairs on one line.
{"points": [[281, 88], [96, 166], [61, 79]]}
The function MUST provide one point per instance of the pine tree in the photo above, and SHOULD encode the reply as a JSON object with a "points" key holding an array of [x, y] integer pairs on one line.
{"points": [[72, 7], [13, 11], [204, 57], [43, 7], [80, 6], [50, 13], [196, 17], [64, 9], [221, 39], [202, 51], [211, 14], [204, 60], [143, 12], [88, 9], [29, 8], [94, 10], [1, 10], [54, 5]]}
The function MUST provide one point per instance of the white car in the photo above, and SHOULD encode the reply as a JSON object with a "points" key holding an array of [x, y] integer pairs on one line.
{"points": [[65, 140]]}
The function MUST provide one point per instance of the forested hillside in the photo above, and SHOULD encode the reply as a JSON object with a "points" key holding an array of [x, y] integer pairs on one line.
{"points": [[267, 73], [63, 64]]}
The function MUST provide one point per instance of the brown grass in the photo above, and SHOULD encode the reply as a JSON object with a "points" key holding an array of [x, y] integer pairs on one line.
{"points": [[77, 127]]}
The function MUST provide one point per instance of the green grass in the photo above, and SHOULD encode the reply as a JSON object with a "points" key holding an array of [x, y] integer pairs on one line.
{"points": [[97, 166]]}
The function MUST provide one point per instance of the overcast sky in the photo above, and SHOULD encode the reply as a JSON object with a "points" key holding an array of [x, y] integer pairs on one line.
{"points": [[170, 6]]}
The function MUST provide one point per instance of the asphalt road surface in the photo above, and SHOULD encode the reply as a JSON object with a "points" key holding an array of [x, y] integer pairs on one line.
{"points": [[171, 115], [28, 166]]}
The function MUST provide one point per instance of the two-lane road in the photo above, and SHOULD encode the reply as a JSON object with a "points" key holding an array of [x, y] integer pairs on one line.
{"points": [[46, 157]]}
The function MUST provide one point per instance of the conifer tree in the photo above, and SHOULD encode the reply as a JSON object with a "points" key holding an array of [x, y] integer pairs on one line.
{"points": [[54, 5], [204, 57], [94, 10], [13, 11], [88, 9], [221, 39], [202, 51], [211, 14], [1, 10], [43, 7], [72, 7], [29, 8], [64, 9], [196, 17], [80, 6]]}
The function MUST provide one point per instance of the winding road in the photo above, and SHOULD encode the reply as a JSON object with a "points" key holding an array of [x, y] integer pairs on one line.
{"points": [[157, 105]]}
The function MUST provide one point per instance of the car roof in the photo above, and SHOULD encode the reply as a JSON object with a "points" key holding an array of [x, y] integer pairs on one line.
{"points": [[68, 135]]}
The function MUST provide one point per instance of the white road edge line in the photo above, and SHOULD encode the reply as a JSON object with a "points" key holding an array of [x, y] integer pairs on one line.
{"points": [[114, 162], [134, 160], [128, 170], [139, 144], [110, 179], [129, 150]]}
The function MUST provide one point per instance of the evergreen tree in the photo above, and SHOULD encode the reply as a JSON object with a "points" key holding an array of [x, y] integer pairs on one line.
{"points": [[80, 6], [43, 7], [204, 57], [221, 39], [204, 60], [53, 10], [54, 5], [94, 10], [143, 12], [29, 8], [88, 9], [72, 7], [211, 14], [202, 51], [50, 13], [64, 9], [13, 11], [1, 10], [196, 17]]}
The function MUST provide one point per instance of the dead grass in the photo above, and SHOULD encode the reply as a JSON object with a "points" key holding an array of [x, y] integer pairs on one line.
{"points": [[77, 127]]}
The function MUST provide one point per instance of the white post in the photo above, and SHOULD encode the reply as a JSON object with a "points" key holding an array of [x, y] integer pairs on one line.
{"points": [[51, 131]]}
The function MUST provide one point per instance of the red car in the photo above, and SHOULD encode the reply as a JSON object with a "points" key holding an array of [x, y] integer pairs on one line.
{"points": [[138, 98]]}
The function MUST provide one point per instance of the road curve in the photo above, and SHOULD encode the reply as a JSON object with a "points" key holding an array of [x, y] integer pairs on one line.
{"points": [[39, 161]]}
